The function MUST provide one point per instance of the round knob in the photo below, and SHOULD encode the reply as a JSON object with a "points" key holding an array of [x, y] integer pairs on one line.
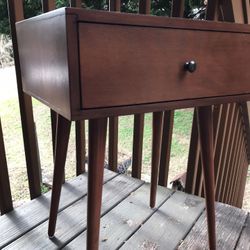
{"points": [[190, 66]]}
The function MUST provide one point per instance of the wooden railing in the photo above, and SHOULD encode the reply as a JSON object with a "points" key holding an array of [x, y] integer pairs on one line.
{"points": [[231, 131], [231, 126]]}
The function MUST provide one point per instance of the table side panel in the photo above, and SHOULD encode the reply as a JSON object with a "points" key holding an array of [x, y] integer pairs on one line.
{"points": [[42, 44], [146, 65]]}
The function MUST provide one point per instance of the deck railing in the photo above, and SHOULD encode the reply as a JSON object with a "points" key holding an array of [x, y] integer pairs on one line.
{"points": [[231, 125]]}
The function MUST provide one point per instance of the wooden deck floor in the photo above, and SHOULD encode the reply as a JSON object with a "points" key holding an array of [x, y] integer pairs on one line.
{"points": [[178, 221]]}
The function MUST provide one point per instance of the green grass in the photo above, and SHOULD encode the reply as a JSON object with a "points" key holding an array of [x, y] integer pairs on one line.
{"points": [[9, 112]]}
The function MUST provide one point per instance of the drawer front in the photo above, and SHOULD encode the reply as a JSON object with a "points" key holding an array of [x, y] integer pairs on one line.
{"points": [[130, 65]]}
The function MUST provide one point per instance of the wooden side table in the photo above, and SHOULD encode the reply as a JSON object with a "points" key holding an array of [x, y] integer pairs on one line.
{"points": [[93, 65]]}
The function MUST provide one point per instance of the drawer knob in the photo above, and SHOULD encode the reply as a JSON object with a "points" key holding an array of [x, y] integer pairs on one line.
{"points": [[190, 66]]}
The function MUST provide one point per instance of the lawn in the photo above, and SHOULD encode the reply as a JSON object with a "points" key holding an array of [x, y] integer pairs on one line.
{"points": [[10, 116]]}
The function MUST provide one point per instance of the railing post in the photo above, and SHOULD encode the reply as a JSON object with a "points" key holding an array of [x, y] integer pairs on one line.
{"points": [[25, 102], [5, 193], [114, 5]]}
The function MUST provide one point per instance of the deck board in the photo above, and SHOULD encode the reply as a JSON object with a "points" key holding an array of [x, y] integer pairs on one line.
{"points": [[18, 222], [244, 240], [122, 221], [72, 220], [229, 223], [169, 225], [127, 220]]}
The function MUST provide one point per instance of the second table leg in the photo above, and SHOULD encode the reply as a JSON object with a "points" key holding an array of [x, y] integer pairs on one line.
{"points": [[97, 141], [205, 126]]}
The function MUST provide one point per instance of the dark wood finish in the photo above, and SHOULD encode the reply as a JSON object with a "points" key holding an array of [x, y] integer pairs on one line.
{"points": [[166, 147], [76, 3], [80, 147], [228, 140], [137, 145], [155, 97], [213, 10], [54, 118], [62, 138], [193, 157], [113, 143], [176, 11], [228, 164], [156, 154], [54, 53], [89, 88], [114, 5], [48, 5], [178, 7], [233, 160], [144, 6], [220, 141], [97, 140], [97, 41], [5, 192], [205, 127], [15, 8]]}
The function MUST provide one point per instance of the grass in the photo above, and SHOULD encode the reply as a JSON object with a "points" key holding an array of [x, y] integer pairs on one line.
{"points": [[9, 112]]}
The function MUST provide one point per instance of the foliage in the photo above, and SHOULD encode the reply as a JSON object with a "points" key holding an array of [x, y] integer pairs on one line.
{"points": [[6, 52], [4, 23], [34, 7]]}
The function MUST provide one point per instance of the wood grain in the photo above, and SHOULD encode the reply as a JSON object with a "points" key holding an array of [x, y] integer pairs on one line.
{"points": [[97, 41], [125, 219], [18, 222], [230, 222], [244, 240], [73, 220], [156, 232]]}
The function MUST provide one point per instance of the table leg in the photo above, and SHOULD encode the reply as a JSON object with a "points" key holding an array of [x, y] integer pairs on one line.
{"points": [[205, 126], [97, 141], [61, 146], [156, 154]]}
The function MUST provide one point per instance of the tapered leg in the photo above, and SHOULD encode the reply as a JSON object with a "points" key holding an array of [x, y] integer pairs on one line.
{"points": [[156, 154], [62, 139], [205, 126], [97, 141]]}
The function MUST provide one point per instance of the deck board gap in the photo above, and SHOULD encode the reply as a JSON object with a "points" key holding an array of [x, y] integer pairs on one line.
{"points": [[104, 213], [145, 221], [61, 208], [242, 229]]}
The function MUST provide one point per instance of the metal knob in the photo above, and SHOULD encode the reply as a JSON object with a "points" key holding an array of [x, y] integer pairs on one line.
{"points": [[190, 66]]}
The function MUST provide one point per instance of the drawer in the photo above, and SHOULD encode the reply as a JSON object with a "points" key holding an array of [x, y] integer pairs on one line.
{"points": [[131, 65]]}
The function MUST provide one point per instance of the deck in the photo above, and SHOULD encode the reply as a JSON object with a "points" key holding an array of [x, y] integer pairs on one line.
{"points": [[178, 221]]}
